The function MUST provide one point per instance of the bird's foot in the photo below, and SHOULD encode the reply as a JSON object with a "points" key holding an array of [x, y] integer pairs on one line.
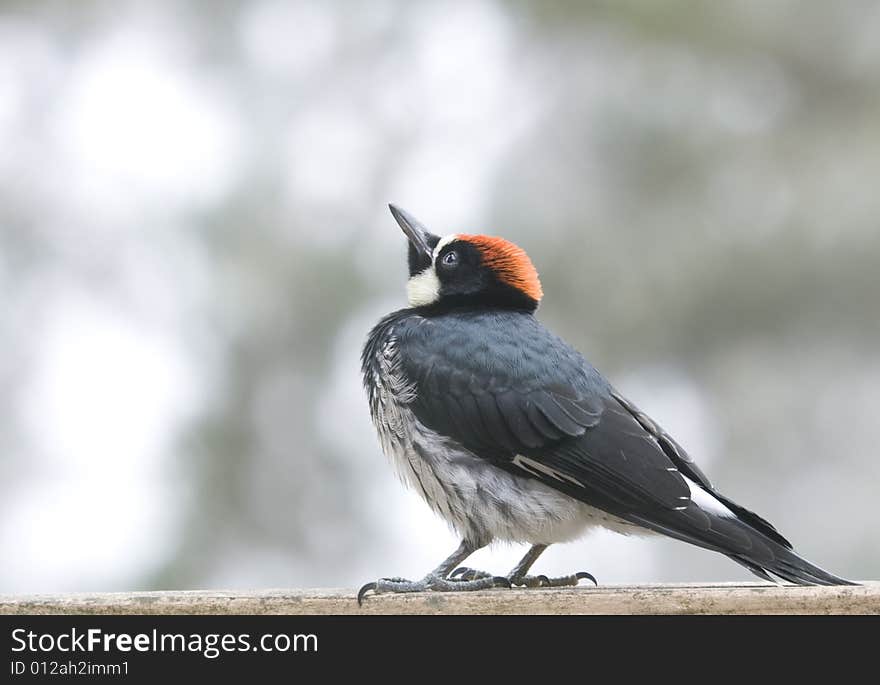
{"points": [[432, 582], [558, 581], [465, 575]]}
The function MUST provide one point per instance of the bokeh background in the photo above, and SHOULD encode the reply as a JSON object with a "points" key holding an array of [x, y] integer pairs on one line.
{"points": [[194, 242]]}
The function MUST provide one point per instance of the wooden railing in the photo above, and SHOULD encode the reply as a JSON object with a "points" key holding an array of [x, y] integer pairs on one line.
{"points": [[746, 598]]}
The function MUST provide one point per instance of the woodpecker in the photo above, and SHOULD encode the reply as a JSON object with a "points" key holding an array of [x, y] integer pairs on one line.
{"points": [[509, 434]]}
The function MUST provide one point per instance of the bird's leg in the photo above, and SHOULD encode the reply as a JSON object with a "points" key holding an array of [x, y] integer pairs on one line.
{"points": [[518, 576], [437, 579]]}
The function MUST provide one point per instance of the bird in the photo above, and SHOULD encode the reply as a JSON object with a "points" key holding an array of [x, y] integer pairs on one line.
{"points": [[510, 434]]}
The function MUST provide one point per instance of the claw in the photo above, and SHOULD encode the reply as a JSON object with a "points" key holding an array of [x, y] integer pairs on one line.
{"points": [[363, 591], [581, 575], [465, 573]]}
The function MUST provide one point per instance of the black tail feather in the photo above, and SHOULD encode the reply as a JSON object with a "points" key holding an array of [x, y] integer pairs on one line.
{"points": [[757, 570], [740, 540], [794, 569]]}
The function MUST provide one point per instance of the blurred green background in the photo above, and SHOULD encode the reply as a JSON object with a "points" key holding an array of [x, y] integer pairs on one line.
{"points": [[194, 242]]}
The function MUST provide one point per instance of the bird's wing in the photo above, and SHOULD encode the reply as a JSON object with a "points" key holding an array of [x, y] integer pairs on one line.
{"points": [[524, 399], [519, 396]]}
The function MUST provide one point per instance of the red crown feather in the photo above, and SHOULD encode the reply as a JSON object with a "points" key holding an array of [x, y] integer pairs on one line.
{"points": [[509, 262]]}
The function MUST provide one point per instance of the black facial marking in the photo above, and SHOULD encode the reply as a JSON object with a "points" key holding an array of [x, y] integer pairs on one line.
{"points": [[417, 261]]}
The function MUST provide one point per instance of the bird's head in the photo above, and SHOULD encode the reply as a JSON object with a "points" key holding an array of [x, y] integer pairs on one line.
{"points": [[467, 270]]}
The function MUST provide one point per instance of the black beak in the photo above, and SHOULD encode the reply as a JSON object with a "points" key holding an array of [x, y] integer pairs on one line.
{"points": [[419, 237]]}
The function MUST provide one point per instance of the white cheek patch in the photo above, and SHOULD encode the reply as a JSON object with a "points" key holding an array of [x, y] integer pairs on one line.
{"points": [[424, 288]]}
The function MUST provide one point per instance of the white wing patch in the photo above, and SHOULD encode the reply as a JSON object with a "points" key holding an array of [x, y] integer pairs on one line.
{"points": [[705, 501], [537, 468], [699, 496]]}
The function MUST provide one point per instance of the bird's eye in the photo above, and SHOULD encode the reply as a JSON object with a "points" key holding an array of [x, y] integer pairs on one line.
{"points": [[450, 259]]}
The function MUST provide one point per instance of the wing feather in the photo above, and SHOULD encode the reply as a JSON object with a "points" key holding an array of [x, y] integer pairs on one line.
{"points": [[532, 395]]}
